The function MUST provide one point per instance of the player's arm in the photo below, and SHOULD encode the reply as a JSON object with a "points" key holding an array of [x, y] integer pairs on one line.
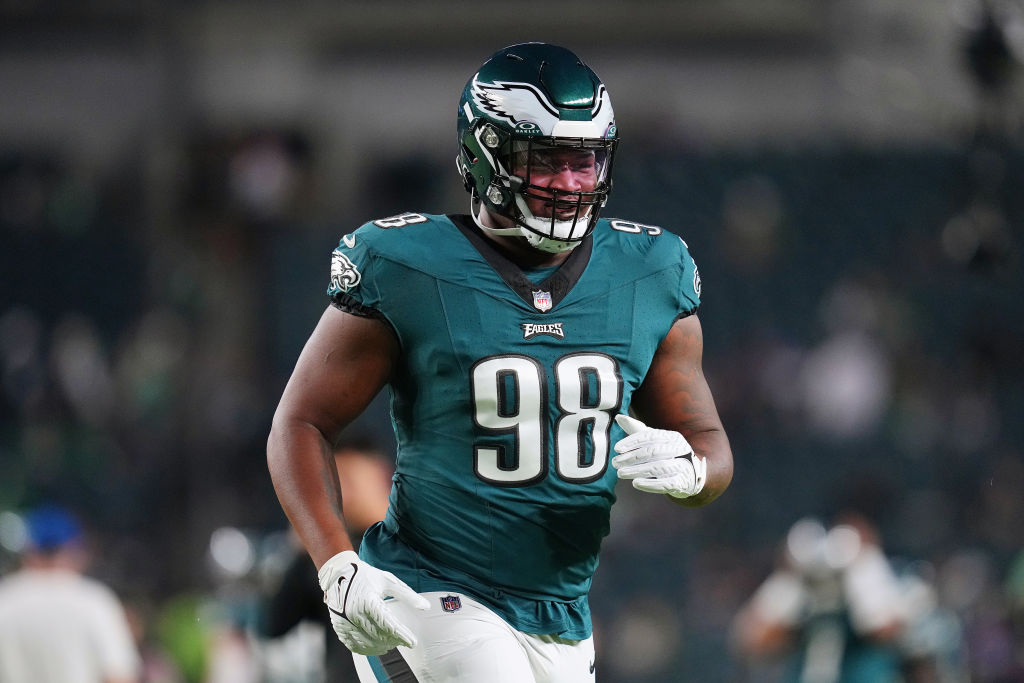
{"points": [[675, 396], [345, 363]]}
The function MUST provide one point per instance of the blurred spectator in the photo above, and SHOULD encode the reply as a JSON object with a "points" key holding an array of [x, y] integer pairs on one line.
{"points": [[834, 607], [298, 598], [57, 625], [932, 643]]}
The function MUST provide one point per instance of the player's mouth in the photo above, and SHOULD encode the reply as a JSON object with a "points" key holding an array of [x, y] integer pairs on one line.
{"points": [[561, 208]]}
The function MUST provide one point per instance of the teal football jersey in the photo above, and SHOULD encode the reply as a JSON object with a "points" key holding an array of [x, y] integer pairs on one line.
{"points": [[504, 401]]}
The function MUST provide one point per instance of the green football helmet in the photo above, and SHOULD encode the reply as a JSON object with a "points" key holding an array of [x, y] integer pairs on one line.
{"points": [[531, 109]]}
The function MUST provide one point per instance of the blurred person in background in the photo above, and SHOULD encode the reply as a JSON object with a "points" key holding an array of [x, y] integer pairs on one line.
{"points": [[514, 341], [933, 643], [834, 607], [365, 480], [56, 624]]}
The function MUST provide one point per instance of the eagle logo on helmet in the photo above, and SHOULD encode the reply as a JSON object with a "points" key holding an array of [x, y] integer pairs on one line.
{"points": [[516, 103], [522, 104]]}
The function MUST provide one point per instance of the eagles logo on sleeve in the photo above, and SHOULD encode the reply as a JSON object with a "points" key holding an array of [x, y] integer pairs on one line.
{"points": [[344, 274]]}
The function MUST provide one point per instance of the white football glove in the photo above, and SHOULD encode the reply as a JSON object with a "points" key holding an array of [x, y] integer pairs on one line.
{"points": [[355, 594], [658, 460]]}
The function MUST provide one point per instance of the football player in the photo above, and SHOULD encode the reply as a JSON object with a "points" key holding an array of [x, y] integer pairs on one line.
{"points": [[535, 353]]}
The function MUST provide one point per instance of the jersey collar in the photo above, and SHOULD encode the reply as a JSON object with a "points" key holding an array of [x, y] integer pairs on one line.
{"points": [[558, 284]]}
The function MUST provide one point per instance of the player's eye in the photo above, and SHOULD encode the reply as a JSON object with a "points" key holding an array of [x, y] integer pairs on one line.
{"points": [[545, 164], [548, 164], [583, 166]]}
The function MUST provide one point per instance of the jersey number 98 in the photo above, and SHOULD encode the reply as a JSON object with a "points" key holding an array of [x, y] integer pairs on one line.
{"points": [[510, 400]]}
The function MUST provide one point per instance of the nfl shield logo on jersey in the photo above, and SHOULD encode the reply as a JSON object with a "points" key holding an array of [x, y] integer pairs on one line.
{"points": [[450, 603], [542, 301]]}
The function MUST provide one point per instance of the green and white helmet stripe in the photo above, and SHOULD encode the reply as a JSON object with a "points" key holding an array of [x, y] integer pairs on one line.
{"points": [[528, 110]]}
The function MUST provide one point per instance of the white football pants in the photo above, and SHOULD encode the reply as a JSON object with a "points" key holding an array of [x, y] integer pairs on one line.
{"points": [[462, 641]]}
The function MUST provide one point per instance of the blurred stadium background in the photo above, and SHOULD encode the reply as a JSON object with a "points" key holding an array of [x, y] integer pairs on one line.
{"points": [[848, 175]]}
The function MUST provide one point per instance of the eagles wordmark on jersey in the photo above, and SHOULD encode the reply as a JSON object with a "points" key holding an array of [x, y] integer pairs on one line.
{"points": [[504, 399]]}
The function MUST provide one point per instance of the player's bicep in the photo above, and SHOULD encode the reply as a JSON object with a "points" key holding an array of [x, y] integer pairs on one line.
{"points": [[675, 394], [345, 363]]}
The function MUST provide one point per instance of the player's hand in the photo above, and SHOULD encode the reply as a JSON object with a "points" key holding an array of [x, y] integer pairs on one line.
{"points": [[658, 460], [355, 594]]}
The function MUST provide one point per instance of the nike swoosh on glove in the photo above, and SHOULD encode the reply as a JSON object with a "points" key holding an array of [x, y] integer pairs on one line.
{"points": [[355, 594], [658, 460]]}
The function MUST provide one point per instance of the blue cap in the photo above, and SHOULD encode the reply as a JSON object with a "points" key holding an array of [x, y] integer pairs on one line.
{"points": [[51, 527]]}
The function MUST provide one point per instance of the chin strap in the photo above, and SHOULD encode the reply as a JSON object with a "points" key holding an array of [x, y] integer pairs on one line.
{"points": [[476, 209]]}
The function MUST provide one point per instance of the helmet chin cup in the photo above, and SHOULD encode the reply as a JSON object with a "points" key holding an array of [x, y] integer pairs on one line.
{"points": [[517, 229], [557, 235], [547, 244]]}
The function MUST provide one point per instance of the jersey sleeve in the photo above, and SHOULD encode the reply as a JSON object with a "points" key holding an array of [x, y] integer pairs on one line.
{"points": [[689, 282], [352, 286]]}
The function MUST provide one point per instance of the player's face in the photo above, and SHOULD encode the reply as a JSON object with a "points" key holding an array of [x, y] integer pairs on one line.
{"points": [[567, 170]]}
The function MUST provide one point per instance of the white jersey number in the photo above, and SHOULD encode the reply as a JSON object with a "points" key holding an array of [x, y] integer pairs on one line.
{"points": [[635, 228], [509, 397], [400, 221]]}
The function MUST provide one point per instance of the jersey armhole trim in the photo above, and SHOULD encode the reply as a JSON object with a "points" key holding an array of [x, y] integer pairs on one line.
{"points": [[686, 314], [348, 304]]}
